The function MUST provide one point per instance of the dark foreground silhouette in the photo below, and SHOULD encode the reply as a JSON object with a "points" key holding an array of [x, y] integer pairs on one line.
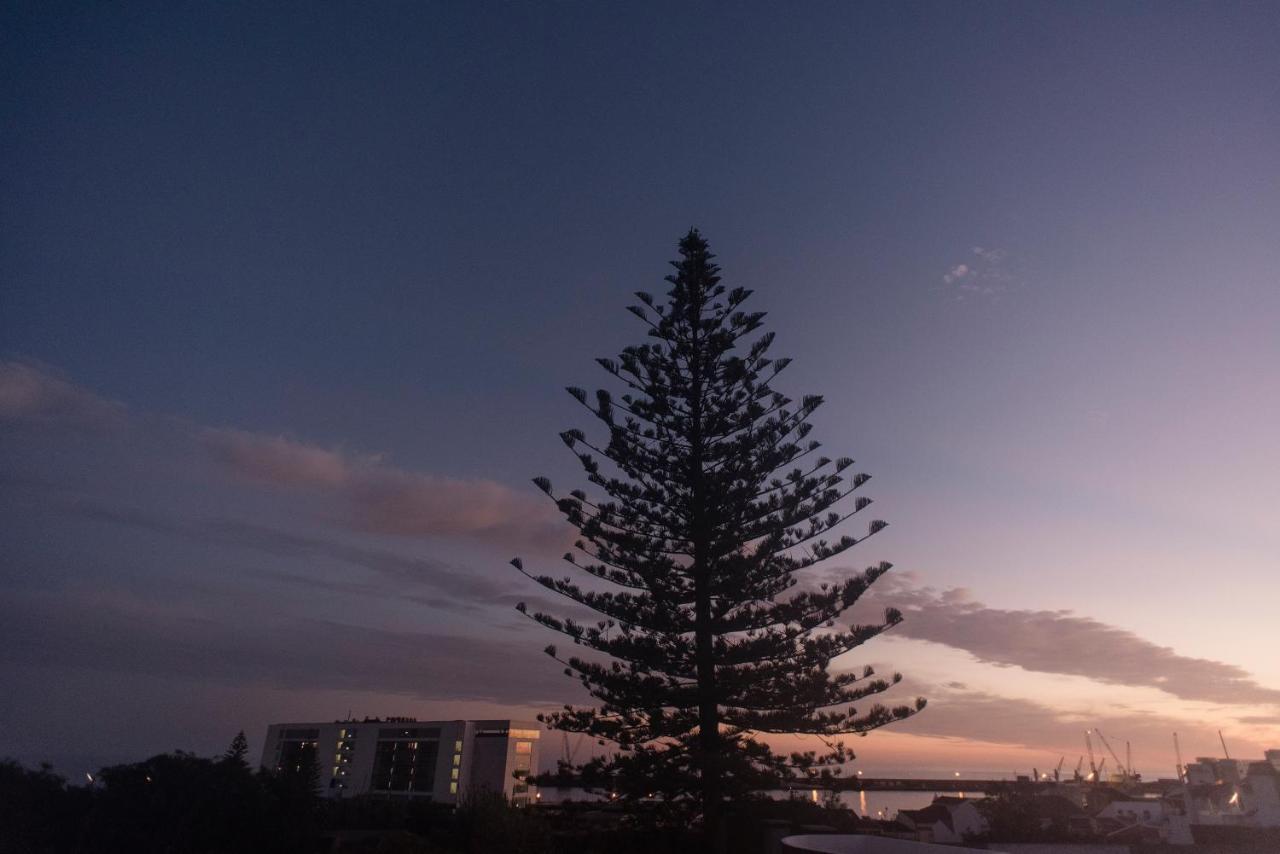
{"points": [[184, 804]]}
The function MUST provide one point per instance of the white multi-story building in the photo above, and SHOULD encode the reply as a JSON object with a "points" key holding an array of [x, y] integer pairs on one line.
{"points": [[407, 758]]}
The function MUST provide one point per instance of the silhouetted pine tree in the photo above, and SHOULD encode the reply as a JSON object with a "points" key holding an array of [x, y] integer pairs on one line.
{"points": [[238, 752], [714, 501]]}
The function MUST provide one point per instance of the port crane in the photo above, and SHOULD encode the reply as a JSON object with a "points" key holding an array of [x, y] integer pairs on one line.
{"points": [[1057, 772], [1088, 746], [1177, 751], [1124, 771], [571, 752], [1075, 775]]}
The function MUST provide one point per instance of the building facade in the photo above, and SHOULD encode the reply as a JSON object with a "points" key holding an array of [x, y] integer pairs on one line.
{"points": [[406, 758]]}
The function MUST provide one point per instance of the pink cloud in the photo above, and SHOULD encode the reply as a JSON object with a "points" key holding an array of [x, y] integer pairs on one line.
{"points": [[279, 461], [373, 497], [1061, 642], [31, 393], [983, 717]]}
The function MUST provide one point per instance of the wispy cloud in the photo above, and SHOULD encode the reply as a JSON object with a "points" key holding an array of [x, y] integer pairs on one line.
{"points": [[122, 634], [388, 573], [365, 493], [32, 393], [984, 273], [373, 497], [956, 273], [1062, 642]]}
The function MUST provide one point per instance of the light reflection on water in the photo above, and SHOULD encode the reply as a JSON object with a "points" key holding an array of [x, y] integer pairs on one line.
{"points": [[883, 805]]}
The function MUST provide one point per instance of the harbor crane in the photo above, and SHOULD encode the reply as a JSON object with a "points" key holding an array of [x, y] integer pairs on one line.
{"points": [[1088, 746], [571, 752], [1177, 751], [1076, 774], [1057, 772], [1124, 771]]}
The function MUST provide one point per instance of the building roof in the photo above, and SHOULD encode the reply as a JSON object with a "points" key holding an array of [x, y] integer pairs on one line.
{"points": [[931, 814]]}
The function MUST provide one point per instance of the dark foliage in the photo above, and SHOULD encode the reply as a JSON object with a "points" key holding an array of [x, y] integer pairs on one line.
{"points": [[183, 803], [239, 750], [168, 803], [39, 813], [713, 503], [1022, 817]]}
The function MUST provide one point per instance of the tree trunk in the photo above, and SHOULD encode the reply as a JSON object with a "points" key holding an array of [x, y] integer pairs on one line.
{"points": [[709, 744], [709, 730]]}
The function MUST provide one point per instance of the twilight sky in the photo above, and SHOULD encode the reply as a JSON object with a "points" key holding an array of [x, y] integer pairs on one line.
{"points": [[288, 297]]}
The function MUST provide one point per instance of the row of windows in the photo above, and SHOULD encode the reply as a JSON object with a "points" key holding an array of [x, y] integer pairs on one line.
{"points": [[294, 754], [405, 766], [403, 762]]}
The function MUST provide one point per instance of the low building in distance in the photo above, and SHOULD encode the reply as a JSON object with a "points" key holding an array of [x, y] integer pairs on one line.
{"points": [[947, 820], [408, 758]]}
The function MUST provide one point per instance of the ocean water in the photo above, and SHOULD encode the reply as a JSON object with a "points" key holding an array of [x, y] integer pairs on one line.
{"points": [[883, 805]]}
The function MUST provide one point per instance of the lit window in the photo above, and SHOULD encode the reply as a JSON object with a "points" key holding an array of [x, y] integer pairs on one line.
{"points": [[453, 788], [454, 774], [524, 747], [457, 747], [457, 760]]}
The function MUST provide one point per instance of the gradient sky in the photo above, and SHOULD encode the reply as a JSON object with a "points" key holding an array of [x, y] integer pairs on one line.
{"points": [[288, 297]]}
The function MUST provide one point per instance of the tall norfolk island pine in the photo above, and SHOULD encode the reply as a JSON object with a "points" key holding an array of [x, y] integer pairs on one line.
{"points": [[715, 501]]}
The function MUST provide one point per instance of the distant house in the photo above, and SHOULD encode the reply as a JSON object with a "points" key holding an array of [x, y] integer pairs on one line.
{"points": [[1133, 821], [946, 820]]}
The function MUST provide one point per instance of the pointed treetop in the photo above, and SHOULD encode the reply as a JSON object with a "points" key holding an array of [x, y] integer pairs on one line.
{"points": [[239, 749]]}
